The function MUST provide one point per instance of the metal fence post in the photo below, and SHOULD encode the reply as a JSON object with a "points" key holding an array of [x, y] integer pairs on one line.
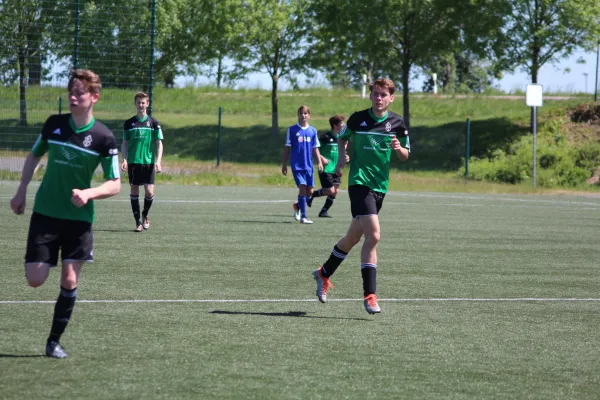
{"points": [[76, 35], [152, 44], [219, 139], [467, 149]]}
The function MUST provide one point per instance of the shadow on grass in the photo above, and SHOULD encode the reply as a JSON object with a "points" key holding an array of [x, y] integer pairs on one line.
{"points": [[296, 314], [439, 148], [21, 355], [263, 222]]}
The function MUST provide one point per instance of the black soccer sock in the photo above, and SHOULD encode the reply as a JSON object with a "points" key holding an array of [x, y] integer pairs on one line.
{"points": [[318, 193], [369, 276], [334, 261], [328, 203], [147, 204], [62, 312], [135, 207]]}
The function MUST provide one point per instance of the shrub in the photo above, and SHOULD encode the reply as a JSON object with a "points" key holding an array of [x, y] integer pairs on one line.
{"points": [[559, 164]]}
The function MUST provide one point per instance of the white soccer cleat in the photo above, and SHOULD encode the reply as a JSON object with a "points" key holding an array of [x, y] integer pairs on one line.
{"points": [[323, 284], [296, 211], [371, 304], [305, 221]]}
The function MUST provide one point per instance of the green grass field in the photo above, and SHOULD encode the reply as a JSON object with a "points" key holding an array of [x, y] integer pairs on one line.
{"points": [[482, 296]]}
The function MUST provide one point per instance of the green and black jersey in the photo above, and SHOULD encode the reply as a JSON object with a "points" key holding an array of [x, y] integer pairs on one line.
{"points": [[329, 150], [73, 156], [372, 137], [141, 135]]}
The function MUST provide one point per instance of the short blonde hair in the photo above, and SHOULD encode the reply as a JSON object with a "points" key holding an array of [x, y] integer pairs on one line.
{"points": [[140, 95]]}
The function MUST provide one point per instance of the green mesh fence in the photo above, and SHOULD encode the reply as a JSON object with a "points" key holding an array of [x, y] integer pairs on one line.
{"points": [[41, 40]]}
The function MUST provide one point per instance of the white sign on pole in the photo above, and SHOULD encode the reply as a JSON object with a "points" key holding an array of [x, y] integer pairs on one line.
{"points": [[534, 96], [534, 100]]}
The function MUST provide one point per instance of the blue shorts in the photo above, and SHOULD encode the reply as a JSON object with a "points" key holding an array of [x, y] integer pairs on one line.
{"points": [[304, 177]]}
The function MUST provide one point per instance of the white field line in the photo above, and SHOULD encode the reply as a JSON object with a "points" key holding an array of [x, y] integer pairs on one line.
{"points": [[391, 300]]}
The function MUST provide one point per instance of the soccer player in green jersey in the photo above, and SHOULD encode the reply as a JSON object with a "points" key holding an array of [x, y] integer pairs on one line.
{"points": [[63, 211], [330, 181], [142, 156], [376, 133]]}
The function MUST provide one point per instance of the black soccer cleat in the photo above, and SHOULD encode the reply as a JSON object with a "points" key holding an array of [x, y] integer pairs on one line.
{"points": [[309, 201], [55, 350], [324, 214]]}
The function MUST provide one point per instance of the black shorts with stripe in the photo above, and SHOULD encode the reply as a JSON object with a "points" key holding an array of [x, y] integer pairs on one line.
{"points": [[47, 236], [141, 174], [364, 201], [329, 180]]}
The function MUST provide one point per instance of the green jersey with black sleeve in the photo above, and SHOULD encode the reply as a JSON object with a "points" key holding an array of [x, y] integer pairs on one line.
{"points": [[73, 156], [141, 135], [372, 136], [329, 150]]}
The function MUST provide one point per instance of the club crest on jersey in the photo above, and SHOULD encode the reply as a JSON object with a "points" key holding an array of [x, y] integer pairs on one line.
{"points": [[388, 126], [87, 141]]}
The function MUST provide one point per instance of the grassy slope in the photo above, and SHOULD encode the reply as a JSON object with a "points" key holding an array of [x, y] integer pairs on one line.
{"points": [[190, 121]]}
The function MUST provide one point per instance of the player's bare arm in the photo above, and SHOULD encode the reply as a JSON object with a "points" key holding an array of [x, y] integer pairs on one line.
{"points": [[342, 158], [286, 156], [107, 189], [124, 153], [17, 203], [159, 154], [318, 156], [400, 151]]}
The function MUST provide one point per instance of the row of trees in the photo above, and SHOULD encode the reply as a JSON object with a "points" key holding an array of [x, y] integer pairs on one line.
{"points": [[468, 43]]}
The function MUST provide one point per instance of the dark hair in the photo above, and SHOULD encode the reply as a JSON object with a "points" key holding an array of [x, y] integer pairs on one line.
{"points": [[89, 79], [383, 83], [335, 120]]}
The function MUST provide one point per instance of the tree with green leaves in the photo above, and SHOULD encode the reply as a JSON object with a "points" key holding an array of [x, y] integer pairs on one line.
{"points": [[276, 43], [348, 41], [538, 32], [218, 30], [389, 37], [459, 72], [22, 25]]}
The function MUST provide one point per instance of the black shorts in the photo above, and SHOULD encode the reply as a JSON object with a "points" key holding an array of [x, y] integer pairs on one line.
{"points": [[47, 235], [329, 180], [141, 174], [364, 201]]}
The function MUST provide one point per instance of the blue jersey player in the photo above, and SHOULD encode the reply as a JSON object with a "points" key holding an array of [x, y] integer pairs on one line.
{"points": [[300, 144]]}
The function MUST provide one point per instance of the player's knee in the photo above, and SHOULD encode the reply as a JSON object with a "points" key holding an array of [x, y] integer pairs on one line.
{"points": [[68, 283], [373, 238]]}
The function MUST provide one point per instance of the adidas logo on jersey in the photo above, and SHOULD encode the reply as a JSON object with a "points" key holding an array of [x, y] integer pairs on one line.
{"points": [[363, 123]]}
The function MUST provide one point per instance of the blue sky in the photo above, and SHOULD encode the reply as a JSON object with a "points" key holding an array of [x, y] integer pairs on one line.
{"points": [[566, 76]]}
